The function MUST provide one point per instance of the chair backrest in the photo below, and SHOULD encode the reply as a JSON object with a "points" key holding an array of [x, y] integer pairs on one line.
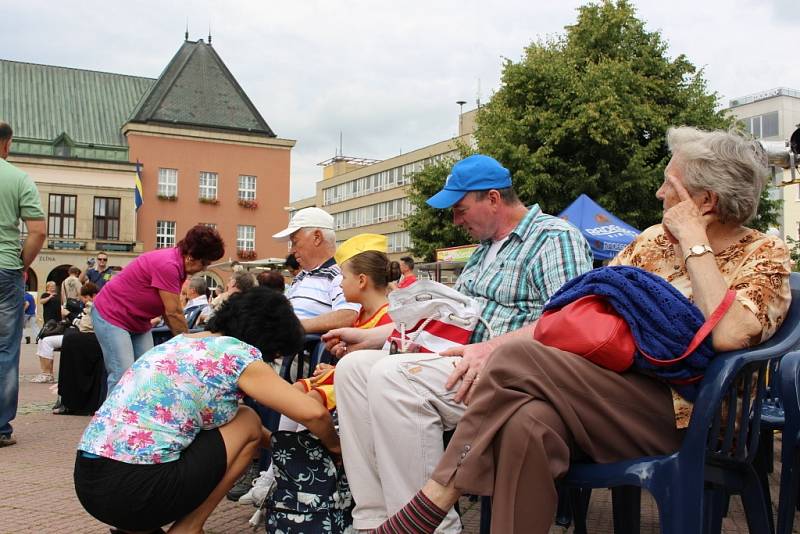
{"points": [[192, 314], [790, 387], [727, 413]]}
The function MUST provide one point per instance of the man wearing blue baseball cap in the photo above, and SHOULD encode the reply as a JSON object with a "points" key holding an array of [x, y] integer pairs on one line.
{"points": [[524, 256]]}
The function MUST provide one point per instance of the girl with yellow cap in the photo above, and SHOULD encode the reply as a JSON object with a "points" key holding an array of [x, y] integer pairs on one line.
{"points": [[366, 273]]}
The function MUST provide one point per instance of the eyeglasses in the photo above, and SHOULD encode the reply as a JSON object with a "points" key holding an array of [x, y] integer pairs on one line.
{"points": [[102, 259]]}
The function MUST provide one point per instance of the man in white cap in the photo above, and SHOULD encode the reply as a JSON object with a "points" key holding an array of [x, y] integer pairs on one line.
{"points": [[316, 293]]}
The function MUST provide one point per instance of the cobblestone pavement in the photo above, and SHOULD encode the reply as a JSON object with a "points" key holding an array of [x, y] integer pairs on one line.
{"points": [[38, 493]]}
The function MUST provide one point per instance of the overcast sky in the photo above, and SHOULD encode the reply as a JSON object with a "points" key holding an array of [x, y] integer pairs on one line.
{"points": [[385, 74]]}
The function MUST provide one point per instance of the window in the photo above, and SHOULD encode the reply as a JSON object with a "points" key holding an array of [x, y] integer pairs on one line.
{"points": [[247, 187], [165, 234], [211, 283], [61, 216], [208, 185], [761, 126], [106, 218], [245, 237], [399, 241], [168, 182]]}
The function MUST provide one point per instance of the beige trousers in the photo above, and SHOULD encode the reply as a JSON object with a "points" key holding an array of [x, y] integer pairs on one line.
{"points": [[393, 411]]}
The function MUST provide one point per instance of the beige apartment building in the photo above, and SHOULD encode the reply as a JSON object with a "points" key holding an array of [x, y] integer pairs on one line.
{"points": [[773, 115], [370, 195]]}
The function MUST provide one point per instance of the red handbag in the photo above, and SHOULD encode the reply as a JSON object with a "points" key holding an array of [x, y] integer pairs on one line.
{"points": [[591, 328]]}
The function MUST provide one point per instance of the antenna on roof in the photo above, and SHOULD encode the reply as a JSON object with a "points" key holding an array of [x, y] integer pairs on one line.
{"points": [[341, 150], [186, 35], [478, 99], [209, 33]]}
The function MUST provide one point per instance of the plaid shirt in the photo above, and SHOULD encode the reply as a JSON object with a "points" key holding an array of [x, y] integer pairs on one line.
{"points": [[541, 253]]}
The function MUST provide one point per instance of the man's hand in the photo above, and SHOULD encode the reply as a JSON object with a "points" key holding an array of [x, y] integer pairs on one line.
{"points": [[473, 358]]}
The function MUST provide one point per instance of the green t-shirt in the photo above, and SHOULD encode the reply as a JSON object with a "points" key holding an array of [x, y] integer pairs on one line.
{"points": [[19, 199]]}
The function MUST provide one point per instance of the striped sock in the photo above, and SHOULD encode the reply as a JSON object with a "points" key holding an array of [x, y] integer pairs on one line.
{"points": [[419, 516]]}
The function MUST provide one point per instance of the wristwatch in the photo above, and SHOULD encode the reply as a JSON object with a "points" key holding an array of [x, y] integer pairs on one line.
{"points": [[697, 250]]}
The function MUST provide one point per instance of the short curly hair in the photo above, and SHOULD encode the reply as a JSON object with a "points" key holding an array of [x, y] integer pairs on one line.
{"points": [[262, 318], [202, 243]]}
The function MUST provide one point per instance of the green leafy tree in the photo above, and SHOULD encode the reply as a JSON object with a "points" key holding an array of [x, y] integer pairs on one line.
{"points": [[769, 211], [431, 228], [587, 112]]}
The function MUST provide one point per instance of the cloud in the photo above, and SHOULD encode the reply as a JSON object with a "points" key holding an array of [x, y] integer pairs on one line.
{"points": [[385, 74]]}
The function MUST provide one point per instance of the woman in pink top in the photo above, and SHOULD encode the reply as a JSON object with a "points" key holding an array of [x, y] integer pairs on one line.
{"points": [[149, 286]]}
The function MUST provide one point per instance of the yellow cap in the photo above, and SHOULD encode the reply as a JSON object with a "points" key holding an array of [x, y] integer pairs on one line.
{"points": [[360, 243]]}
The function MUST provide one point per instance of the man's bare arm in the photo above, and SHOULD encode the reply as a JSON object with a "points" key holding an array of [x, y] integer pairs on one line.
{"points": [[33, 243], [328, 321]]}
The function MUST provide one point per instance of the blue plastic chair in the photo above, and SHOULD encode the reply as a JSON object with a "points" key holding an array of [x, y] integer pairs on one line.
{"points": [[163, 333], [788, 380], [306, 360], [691, 485]]}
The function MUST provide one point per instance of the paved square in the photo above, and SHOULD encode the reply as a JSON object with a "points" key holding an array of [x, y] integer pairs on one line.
{"points": [[39, 496]]}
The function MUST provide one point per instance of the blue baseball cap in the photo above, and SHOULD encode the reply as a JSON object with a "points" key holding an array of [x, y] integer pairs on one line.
{"points": [[474, 173]]}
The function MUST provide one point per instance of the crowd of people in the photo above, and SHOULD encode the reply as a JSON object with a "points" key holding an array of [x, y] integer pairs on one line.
{"points": [[173, 436]]}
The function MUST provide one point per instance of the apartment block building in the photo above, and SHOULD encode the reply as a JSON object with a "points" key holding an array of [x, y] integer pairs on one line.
{"points": [[773, 115], [370, 195]]}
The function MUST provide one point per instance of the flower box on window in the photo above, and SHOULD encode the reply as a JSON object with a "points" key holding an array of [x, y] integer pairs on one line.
{"points": [[246, 254], [249, 204], [209, 200], [171, 198]]}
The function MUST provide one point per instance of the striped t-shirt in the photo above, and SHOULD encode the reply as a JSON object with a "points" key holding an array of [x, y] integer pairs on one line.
{"points": [[319, 291], [538, 257]]}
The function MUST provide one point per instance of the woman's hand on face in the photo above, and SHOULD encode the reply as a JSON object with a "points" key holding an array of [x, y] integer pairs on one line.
{"points": [[684, 222]]}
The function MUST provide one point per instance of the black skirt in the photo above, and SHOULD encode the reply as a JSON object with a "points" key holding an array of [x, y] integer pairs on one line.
{"points": [[81, 373], [144, 497]]}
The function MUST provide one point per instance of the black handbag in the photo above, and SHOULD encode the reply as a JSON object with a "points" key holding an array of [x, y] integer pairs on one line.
{"points": [[53, 328]]}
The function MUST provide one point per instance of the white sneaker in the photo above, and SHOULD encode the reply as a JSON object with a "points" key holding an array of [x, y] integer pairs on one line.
{"points": [[261, 488], [43, 378]]}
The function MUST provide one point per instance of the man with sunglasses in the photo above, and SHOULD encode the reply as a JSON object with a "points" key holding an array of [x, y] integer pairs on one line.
{"points": [[97, 275]]}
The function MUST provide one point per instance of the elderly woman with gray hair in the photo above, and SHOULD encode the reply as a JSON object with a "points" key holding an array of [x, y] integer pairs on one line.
{"points": [[532, 406]]}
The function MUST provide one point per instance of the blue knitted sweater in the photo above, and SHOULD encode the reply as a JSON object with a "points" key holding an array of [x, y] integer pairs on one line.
{"points": [[662, 321]]}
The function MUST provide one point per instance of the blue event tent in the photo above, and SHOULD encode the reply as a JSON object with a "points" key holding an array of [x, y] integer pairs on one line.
{"points": [[605, 233]]}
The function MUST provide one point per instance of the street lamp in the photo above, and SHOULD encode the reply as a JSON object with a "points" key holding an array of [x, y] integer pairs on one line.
{"points": [[460, 115]]}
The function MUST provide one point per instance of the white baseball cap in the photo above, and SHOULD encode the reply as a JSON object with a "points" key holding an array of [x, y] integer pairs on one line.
{"points": [[306, 218]]}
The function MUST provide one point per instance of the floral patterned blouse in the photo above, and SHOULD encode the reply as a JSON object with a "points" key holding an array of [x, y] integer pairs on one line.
{"points": [[757, 267], [167, 397]]}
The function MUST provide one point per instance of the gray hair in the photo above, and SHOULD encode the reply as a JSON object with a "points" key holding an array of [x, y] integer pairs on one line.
{"points": [[244, 280], [198, 283], [725, 162], [328, 235]]}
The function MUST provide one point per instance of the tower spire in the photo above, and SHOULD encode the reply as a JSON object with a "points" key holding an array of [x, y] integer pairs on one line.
{"points": [[209, 33], [186, 35]]}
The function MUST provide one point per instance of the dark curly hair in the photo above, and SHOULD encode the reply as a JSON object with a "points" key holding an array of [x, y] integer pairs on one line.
{"points": [[202, 243], [263, 318]]}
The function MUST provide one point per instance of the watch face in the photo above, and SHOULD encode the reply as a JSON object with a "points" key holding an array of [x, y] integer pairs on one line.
{"points": [[698, 249]]}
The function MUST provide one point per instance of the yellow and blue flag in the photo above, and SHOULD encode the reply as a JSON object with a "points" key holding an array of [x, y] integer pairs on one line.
{"points": [[138, 199]]}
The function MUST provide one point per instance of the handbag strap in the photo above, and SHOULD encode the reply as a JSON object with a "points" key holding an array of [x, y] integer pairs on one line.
{"points": [[701, 334]]}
